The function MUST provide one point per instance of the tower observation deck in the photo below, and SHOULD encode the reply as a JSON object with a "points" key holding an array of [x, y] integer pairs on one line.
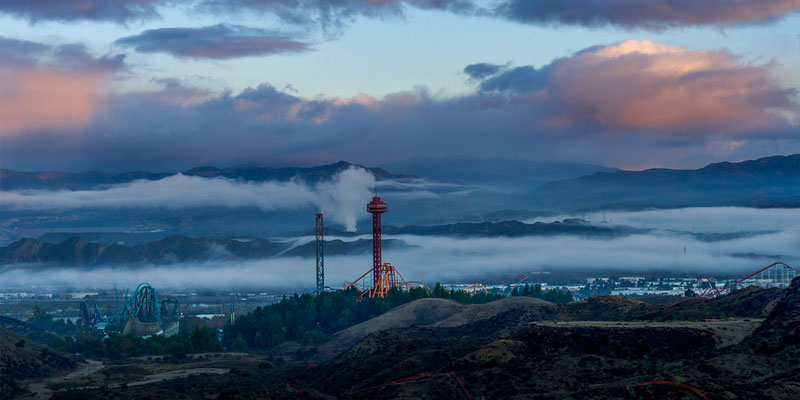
{"points": [[376, 207]]}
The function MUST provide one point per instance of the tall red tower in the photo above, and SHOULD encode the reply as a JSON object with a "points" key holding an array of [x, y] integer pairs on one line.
{"points": [[376, 207]]}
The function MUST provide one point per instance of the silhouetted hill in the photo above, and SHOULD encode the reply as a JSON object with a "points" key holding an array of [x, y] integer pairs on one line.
{"points": [[766, 182], [11, 180]]}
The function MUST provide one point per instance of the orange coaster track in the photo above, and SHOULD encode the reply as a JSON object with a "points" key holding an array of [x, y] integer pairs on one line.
{"points": [[388, 277]]}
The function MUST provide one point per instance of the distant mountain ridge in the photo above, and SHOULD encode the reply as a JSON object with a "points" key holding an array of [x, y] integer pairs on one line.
{"points": [[178, 248], [51, 180], [494, 171], [765, 182]]}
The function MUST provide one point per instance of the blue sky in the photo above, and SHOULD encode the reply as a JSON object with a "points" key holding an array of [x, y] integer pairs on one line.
{"points": [[421, 52]]}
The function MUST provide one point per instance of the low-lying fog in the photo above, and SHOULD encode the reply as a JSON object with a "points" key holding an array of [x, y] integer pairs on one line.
{"points": [[670, 247], [695, 219]]}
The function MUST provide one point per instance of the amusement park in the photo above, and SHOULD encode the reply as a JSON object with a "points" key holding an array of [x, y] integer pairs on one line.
{"points": [[296, 340], [144, 313]]}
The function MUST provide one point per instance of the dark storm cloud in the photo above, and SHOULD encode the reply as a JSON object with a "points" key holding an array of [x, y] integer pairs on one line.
{"points": [[74, 10], [218, 41], [637, 101], [649, 14], [482, 70]]}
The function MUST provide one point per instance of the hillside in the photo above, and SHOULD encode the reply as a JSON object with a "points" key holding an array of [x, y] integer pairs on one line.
{"points": [[766, 182], [20, 358]]}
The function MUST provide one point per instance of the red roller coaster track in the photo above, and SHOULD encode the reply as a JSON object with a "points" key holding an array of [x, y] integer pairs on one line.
{"points": [[412, 378], [711, 292], [678, 385]]}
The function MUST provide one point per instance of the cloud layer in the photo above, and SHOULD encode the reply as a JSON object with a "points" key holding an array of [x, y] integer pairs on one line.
{"points": [[217, 42], [648, 14], [459, 260], [75, 10], [649, 101], [343, 196]]}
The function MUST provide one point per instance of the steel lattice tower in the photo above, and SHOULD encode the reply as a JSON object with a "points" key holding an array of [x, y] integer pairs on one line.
{"points": [[320, 253], [376, 207]]}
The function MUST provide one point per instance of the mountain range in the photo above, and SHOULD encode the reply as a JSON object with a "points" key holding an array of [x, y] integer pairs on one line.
{"points": [[52, 180], [421, 201], [179, 248], [765, 182]]}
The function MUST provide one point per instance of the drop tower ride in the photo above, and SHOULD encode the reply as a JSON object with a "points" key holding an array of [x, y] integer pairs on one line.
{"points": [[376, 207]]}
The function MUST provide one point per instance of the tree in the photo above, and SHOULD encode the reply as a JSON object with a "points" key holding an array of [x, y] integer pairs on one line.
{"points": [[313, 338], [239, 344]]}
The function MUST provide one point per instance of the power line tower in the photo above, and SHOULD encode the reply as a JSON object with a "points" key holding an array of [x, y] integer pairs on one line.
{"points": [[320, 253]]}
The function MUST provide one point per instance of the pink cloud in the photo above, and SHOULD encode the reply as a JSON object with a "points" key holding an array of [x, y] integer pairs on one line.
{"points": [[54, 88], [46, 99], [645, 85]]}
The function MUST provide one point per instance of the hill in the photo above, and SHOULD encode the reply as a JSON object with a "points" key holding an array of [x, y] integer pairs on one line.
{"points": [[766, 182], [20, 358]]}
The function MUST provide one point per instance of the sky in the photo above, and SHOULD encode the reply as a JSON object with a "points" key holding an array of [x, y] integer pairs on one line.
{"points": [[172, 84]]}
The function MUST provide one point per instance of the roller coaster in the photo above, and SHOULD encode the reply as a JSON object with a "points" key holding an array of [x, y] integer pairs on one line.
{"points": [[143, 308], [388, 277], [777, 274]]}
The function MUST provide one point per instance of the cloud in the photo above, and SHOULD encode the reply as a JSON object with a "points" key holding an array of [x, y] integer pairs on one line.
{"points": [[344, 195], [482, 70], [650, 14], [219, 41], [120, 11], [639, 84], [631, 103], [520, 80], [334, 13], [49, 87]]}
